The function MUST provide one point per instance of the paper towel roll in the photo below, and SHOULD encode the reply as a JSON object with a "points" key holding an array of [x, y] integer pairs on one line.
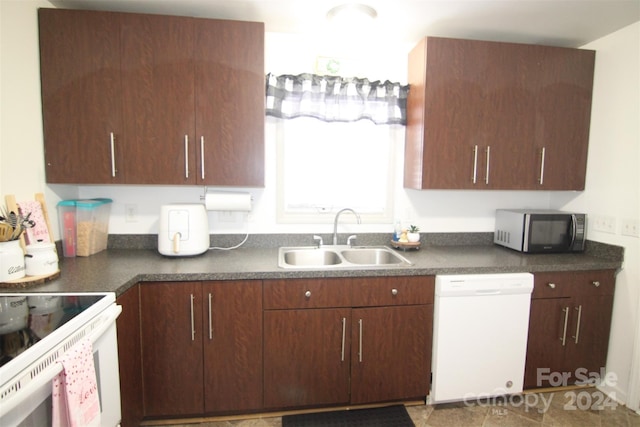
{"points": [[227, 201]]}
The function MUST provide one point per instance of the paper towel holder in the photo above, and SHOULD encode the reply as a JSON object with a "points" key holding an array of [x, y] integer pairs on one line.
{"points": [[234, 201]]}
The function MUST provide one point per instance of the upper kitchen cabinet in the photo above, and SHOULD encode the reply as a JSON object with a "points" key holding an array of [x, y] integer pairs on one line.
{"points": [[229, 69], [489, 115], [81, 104], [158, 99], [188, 95]]}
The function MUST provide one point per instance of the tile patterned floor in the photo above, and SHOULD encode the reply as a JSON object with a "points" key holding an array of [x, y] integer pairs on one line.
{"points": [[577, 408]]}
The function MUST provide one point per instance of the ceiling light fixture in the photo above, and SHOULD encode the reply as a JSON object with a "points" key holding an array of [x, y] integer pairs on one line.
{"points": [[352, 12]]}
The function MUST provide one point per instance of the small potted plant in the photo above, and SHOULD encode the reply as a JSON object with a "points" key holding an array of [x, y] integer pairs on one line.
{"points": [[413, 234]]}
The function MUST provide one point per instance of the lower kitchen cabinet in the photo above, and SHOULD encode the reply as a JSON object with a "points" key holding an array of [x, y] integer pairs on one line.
{"points": [[569, 326], [129, 364], [346, 341], [391, 359], [201, 347], [307, 357]]}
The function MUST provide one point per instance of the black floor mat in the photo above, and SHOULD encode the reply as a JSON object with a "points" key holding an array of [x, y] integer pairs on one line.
{"points": [[389, 416]]}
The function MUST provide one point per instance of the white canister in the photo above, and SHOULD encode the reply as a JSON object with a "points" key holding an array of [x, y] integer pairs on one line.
{"points": [[14, 313], [41, 259], [11, 261]]}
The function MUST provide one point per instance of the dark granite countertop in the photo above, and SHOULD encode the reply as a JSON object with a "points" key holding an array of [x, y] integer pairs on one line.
{"points": [[115, 270]]}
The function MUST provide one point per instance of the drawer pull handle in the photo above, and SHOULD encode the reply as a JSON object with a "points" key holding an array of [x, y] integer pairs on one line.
{"points": [[596, 284], [360, 340], [112, 143], [307, 294], [552, 285], [193, 325], [564, 329], [394, 292], [210, 320], [575, 337], [186, 156], [344, 333]]}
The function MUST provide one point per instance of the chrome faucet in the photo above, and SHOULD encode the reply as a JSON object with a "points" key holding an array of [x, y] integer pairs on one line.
{"points": [[335, 223]]}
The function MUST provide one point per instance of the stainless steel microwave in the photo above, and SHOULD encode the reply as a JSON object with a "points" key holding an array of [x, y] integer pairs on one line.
{"points": [[540, 231]]}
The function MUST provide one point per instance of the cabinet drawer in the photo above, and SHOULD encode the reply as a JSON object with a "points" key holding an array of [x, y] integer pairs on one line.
{"points": [[306, 293], [387, 291], [573, 283]]}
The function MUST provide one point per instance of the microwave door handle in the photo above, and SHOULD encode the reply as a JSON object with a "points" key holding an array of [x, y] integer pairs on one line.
{"points": [[574, 230]]}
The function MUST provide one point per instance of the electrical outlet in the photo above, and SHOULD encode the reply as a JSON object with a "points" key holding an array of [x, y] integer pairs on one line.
{"points": [[226, 216], [130, 213], [630, 227], [605, 224]]}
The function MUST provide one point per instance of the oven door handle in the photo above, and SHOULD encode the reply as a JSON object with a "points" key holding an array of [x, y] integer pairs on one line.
{"points": [[50, 372]]}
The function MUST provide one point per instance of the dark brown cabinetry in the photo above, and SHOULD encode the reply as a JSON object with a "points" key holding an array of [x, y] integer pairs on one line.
{"points": [[488, 115], [129, 362], [338, 341], [151, 99], [201, 347], [81, 87], [569, 326]]}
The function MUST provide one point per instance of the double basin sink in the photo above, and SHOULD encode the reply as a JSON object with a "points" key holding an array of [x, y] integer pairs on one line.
{"points": [[339, 256]]}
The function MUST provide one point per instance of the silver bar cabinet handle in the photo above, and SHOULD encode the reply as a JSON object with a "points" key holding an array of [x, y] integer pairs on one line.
{"points": [[202, 157], [210, 321], [112, 140], [193, 325], [186, 156], [344, 331], [542, 155], [475, 164], [564, 330], [486, 178], [360, 341], [576, 336]]}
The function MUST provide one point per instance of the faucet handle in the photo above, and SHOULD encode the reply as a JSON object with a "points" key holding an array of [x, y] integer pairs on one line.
{"points": [[318, 239], [350, 239]]}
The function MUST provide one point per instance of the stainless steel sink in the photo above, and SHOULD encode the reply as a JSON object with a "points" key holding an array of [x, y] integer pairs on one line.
{"points": [[339, 256], [313, 257], [372, 256]]}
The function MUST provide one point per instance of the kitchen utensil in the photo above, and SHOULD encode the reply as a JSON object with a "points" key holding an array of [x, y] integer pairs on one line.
{"points": [[6, 231]]}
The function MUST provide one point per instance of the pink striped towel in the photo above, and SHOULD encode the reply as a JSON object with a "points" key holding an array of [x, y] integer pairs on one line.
{"points": [[75, 390]]}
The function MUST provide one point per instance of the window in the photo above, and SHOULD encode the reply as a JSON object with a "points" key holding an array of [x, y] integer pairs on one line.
{"points": [[324, 167], [335, 139]]}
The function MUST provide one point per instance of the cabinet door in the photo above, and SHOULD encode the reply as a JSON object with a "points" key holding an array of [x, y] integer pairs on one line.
{"points": [[171, 316], [443, 128], [230, 102], [471, 125], [589, 334], [129, 353], [82, 113], [391, 353], [158, 99], [548, 338], [232, 346], [306, 357], [563, 114]]}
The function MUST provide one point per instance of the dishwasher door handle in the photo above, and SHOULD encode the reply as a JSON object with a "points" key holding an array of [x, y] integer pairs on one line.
{"points": [[488, 292]]}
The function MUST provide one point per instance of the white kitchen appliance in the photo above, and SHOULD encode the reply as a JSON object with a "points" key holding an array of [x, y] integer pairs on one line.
{"points": [[480, 332], [184, 229], [28, 364]]}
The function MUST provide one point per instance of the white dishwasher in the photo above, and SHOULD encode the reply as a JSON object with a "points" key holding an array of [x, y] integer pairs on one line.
{"points": [[480, 334]]}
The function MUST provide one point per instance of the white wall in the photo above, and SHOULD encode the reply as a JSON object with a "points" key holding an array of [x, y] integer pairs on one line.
{"points": [[613, 186], [21, 154]]}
